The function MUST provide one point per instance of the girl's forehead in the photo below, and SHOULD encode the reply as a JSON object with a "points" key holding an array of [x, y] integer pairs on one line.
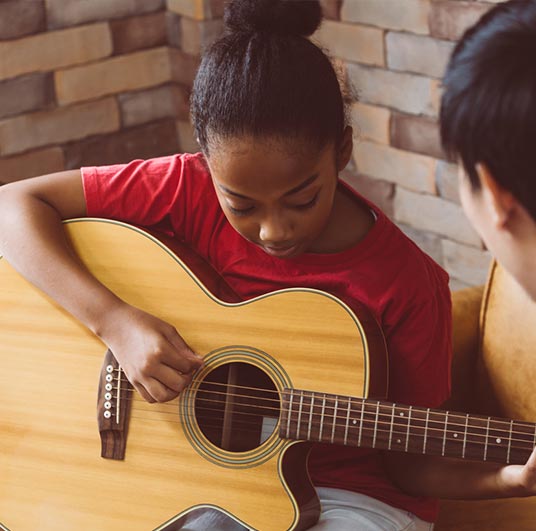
{"points": [[252, 168]]}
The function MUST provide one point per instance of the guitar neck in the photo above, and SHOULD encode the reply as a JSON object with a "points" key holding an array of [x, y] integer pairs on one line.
{"points": [[367, 423]]}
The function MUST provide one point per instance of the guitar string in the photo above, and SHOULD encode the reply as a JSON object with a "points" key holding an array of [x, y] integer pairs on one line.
{"points": [[399, 407], [366, 432], [371, 405], [336, 419]]}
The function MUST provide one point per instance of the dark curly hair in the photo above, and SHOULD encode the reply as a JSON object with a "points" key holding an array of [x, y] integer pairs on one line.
{"points": [[264, 78]]}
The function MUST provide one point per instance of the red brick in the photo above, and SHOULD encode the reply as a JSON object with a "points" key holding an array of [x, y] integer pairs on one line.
{"points": [[431, 213], [186, 135], [430, 243], [154, 104], [43, 128], [448, 19], [447, 181], [183, 67], [122, 73], [61, 13], [152, 140], [197, 9], [381, 193], [416, 133], [21, 17], [198, 35], [137, 33], [31, 164], [411, 170], [174, 32], [28, 93], [468, 264], [55, 49], [331, 9]]}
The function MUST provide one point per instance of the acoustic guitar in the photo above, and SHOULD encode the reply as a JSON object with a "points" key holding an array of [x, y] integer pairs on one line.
{"points": [[81, 450]]}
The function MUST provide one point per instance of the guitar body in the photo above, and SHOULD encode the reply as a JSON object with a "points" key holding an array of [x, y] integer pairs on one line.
{"points": [[52, 475]]}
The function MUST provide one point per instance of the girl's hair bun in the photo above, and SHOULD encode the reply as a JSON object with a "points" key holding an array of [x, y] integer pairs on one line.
{"points": [[287, 17]]}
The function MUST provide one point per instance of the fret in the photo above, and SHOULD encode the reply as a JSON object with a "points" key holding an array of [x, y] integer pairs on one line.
{"points": [[310, 417], [298, 424], [487, 439], [400, 428], [376, 425], [407, 432], [418, 418], [387, 425], [509, 442], [465, 435], [392, 425], [426, 430], [435, 432], [523, 442], [347, 420], [361, 422], [322, 418], [476, 436], [445, 433], [334, 421], [291, 397]]}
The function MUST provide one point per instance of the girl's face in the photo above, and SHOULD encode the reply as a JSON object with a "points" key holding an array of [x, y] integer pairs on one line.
{"points": [[279, 198]]}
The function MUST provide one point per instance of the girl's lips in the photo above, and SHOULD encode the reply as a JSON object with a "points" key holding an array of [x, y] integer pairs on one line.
{"points": [[280, 252]]}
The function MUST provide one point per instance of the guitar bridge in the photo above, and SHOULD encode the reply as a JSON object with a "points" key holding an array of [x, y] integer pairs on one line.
{"points": [[113, 408]]}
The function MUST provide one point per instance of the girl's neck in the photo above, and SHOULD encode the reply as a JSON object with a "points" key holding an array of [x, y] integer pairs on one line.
{"points": [[350, 222]]}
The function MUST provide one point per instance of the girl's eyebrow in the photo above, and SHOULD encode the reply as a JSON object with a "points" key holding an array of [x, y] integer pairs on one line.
{"points": [[294, 190]]}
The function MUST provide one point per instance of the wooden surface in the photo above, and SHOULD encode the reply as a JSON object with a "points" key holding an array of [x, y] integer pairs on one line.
{"points": [[52, 475]]}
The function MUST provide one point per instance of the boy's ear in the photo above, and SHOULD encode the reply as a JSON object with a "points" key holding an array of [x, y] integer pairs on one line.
{"points": [[500, 200], [346, 147]]}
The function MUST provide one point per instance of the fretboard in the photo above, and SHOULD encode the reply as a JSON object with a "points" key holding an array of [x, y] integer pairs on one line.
{"points": [[367, 423]]}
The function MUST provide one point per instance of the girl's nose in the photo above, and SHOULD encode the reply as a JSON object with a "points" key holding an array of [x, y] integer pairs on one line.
{"points": [[274, 230]]}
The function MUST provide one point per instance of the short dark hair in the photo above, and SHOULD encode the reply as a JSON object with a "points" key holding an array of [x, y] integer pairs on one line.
{"points": [[265, 79], [488, 107]]}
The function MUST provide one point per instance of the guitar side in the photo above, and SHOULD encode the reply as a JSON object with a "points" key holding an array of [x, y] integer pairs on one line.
{"points": [[53, 477]]}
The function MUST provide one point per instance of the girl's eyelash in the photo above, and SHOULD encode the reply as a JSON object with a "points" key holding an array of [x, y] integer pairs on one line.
{"points": [[240, 211], [309, 204], [246, 211]]}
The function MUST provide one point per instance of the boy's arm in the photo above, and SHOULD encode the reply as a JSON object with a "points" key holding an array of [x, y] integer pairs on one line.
{"points": [[456, 479], [32, 239]]}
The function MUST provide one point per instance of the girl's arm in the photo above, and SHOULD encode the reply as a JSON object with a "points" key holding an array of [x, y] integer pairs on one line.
{"points": [[154, 356]]}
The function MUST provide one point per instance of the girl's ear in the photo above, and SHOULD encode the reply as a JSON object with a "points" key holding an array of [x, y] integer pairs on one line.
{"points": [[500, 201], [346, 147]]}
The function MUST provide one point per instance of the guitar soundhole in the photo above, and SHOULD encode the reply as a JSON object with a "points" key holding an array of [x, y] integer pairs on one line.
{"points": [[237, 407]]}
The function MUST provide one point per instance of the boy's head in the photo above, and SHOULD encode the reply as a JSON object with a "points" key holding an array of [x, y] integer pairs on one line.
{"points": [[488, 122]]}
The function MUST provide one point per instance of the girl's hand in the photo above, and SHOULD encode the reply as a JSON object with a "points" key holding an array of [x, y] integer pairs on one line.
{"points": [[155, 358], [519, 480]]}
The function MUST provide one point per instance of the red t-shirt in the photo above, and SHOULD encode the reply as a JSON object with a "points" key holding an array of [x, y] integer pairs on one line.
{"points": [[404, 288]]}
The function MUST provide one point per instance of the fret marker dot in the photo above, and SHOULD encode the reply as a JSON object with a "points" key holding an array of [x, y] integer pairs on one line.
{"points": [[499, 441], [455, 435], [401, 413], [399, 441], [354, 422]]}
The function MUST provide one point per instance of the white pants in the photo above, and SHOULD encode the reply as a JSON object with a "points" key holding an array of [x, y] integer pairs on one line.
{"points": [[341, 511]]}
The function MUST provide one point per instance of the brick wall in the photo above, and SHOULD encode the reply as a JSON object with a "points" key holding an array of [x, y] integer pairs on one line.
{"points": [[92, 82], [104, 81], [394, 53]]}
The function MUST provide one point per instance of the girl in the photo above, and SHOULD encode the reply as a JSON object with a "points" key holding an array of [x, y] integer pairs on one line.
{"points": [[263, 204]]}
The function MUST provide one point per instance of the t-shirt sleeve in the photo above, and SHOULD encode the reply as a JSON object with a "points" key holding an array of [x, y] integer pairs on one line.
{"points": [[420, 344], [149, 193]]}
